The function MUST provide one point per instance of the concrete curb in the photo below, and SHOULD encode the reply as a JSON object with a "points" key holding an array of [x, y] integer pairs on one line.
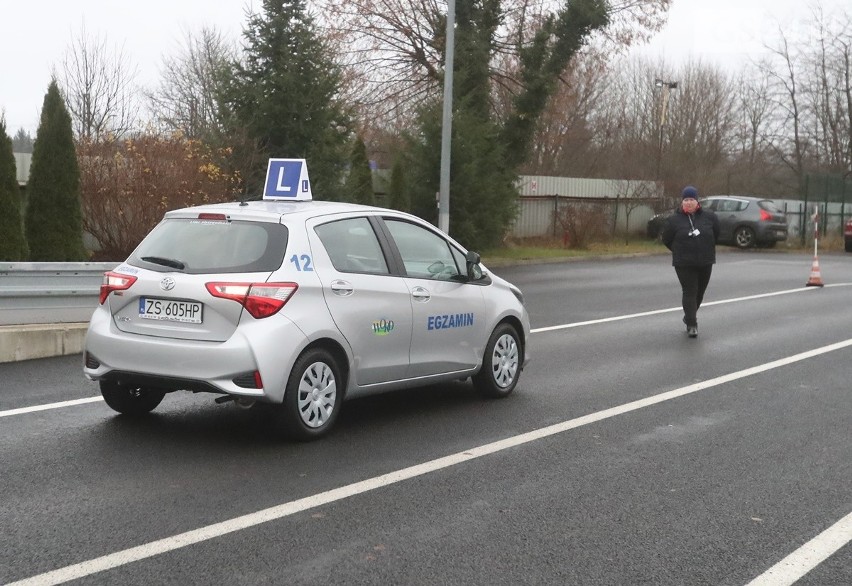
{"points": [[26, 342]]}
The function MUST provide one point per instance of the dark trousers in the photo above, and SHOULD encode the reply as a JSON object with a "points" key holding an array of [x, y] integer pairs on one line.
{"points": [[693, 283]]}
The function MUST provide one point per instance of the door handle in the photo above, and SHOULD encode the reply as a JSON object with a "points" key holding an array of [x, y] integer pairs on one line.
{"points": [[342, 288], [421, 294]]}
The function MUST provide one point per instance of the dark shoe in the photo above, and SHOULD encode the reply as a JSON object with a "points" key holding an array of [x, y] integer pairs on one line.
{"points": [[692, 331]]}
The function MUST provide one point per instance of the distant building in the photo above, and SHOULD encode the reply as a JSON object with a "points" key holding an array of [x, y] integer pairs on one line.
{"points": [[22, 162]]}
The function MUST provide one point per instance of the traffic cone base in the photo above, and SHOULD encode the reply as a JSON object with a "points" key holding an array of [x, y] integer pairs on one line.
{"points": [[815, 280]]}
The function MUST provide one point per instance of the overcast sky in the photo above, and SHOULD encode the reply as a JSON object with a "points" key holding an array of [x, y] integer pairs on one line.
{"points": [[35, 34]]}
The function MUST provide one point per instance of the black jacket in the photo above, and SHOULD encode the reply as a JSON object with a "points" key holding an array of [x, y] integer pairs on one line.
{"points": [[692, 251]]}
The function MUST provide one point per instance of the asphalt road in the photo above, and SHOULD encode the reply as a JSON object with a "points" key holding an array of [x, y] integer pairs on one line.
{"points": [[628, 454]]}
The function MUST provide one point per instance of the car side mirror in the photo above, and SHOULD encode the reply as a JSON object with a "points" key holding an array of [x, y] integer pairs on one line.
{"points": [[474, 270]]}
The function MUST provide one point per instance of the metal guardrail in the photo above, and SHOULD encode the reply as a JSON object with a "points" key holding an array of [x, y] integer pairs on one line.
{"points": [[49, 292]]}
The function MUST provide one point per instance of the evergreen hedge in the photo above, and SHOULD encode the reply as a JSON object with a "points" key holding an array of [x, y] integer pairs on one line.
{"points": [[13, 245], [53, 217]]}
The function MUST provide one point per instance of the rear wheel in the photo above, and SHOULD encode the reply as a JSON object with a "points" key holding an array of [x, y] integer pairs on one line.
{"points": [[744, 237], [501, 363], [848, 245], [313, 395], [130, 399]]}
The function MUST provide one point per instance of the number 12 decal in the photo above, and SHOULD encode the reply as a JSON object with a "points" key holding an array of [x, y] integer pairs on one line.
{"points": [[306, 262]]}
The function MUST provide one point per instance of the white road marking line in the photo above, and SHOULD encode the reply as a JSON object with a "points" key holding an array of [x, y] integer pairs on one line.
{"points": [[669, 310], [181, 540], [47, 406], [807, 557]]}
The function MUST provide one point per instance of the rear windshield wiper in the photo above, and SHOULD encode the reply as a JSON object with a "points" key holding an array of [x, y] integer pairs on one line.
{"points": [[166, 262]]}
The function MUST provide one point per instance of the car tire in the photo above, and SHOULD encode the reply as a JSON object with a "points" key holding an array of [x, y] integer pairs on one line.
{"points": [[313, 395], [744, 237], [130, 399], [501, 363], [847, 245]]}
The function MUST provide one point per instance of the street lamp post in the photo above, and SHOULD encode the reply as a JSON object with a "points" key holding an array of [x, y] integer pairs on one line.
{"points": [[447, 122], [666, 87]]}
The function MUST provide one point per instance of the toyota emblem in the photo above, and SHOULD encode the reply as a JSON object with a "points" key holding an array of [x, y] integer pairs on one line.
{"points": [[167, 284]]}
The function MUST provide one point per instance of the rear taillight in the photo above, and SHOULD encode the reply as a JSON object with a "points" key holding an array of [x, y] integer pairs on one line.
{"points": [[260, 299], [765, 216], [114, 282]]}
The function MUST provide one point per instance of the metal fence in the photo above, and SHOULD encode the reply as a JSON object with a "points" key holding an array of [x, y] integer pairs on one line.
{"points": [[537, 215], [801, 222], [49, 292]]}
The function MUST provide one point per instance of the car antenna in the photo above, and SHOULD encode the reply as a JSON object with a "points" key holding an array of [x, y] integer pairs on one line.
{"points": [[245, 199]]}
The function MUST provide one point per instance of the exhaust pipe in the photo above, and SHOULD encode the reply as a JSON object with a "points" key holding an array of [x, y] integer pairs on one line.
{"points": [[244, 402], [241, 402]]}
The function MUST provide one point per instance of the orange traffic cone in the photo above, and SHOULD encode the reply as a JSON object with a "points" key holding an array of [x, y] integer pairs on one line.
{"points": [[815, 280]]}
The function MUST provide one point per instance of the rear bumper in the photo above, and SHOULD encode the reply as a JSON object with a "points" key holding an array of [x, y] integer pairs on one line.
{"points": [[772, 234], [195, 365]]}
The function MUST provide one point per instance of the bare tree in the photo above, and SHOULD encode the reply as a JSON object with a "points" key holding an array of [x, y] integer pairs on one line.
{"points": [[828, 89], [395, 48], [701, 124], [787, 135], [97, 83], [186, 100], [631, 195], [625, 121], [565, 138]]}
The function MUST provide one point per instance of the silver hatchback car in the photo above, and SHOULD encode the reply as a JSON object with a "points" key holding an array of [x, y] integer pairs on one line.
{"points": [[300, 304], [748, 221]]}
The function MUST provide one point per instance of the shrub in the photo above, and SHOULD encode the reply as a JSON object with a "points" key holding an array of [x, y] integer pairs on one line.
{"points": [[127, 186]]}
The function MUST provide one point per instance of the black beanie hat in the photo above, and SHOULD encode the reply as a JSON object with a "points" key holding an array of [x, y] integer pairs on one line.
{"points": [[689, 192]]}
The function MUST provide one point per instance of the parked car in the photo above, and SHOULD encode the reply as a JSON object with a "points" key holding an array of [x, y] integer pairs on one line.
{"points": [[300, 304], [745, 222], [654, 228], [847, 235]]}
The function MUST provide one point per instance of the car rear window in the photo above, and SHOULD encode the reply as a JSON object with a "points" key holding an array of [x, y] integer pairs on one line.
{"points": [[212, 246], [770, 206]]}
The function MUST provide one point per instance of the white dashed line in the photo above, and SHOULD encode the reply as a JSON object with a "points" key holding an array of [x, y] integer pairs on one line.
{"points": [[48, 406], [807, 557]]}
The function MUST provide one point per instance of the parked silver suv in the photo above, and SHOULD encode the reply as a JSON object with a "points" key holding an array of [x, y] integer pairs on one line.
{"points": [[300, 304], [748, 221]]}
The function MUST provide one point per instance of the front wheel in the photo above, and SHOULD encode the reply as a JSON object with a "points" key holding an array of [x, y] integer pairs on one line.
{"points": [[130, 399], [313, 395], [744, 237], [501, 363]]}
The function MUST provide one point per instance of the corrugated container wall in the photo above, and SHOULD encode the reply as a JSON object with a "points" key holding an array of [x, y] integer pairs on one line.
{"points": [[631, 202]]}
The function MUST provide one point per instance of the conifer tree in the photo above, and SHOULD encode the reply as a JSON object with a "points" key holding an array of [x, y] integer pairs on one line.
{"points": [[488, 150], [13, 245], [359, 184], [284, 94], [53, 217], [397, 191]]}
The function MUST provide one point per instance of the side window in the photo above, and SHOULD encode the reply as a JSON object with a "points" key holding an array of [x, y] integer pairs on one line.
{"points": [[424, 254], [710, 204], [352, 246]]}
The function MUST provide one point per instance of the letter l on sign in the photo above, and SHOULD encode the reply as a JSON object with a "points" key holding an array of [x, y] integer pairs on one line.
{"points": [[280, 186]]}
